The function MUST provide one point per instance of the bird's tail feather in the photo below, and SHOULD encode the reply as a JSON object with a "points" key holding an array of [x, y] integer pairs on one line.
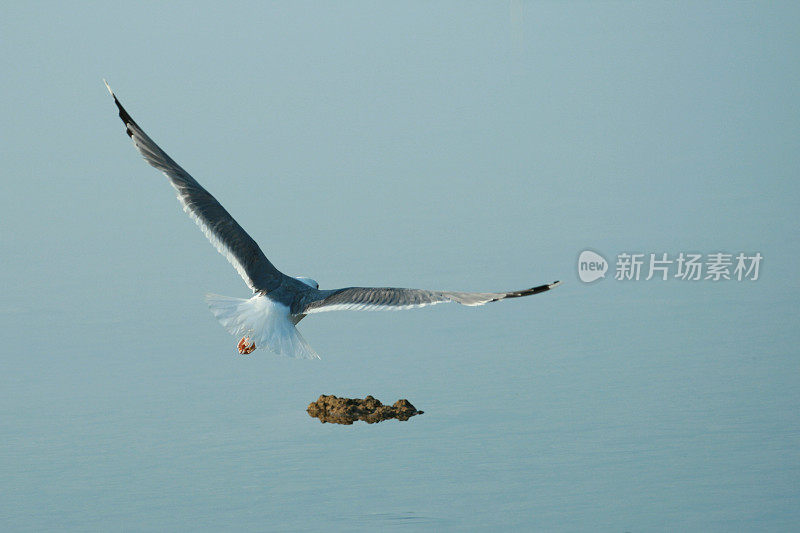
{"points": [[265, 322]]}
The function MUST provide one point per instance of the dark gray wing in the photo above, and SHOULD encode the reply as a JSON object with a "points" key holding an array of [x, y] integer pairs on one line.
{"points": [[218, 225], [386, 298]]}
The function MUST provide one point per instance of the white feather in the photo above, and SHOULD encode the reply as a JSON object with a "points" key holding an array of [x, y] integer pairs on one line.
{"points": [[266, 322]]}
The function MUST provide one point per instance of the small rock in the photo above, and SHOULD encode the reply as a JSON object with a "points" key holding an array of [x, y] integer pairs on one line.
{"points": [[330, 408]]}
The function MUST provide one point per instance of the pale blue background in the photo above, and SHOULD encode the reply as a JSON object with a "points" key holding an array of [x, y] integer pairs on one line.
{"points": [[465, 146]]}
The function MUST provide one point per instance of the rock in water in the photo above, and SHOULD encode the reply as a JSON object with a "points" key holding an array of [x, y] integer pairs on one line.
{"points": [[330, 408]]}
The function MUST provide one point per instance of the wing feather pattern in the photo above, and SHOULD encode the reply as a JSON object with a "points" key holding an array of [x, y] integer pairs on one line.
{"points": [[388, 298], [218, 225]]}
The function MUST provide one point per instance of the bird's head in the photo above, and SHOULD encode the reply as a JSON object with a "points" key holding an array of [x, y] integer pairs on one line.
{"points": [[308, 281]]}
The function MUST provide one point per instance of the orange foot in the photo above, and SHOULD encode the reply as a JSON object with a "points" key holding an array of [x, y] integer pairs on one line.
{"points": [[244, 348]]}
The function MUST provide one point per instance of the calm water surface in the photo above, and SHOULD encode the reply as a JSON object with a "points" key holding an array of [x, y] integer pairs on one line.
{"points": [[150, 421]]}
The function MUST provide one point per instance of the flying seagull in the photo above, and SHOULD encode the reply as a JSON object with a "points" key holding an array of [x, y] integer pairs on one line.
{"points": [[279, 301]]}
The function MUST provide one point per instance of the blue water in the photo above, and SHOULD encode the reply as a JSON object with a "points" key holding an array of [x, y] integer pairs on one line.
{"points": [[447, 146]]}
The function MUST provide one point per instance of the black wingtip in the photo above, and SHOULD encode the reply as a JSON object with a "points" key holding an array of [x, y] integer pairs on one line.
{"points": [[126, 118], [533, 290]]}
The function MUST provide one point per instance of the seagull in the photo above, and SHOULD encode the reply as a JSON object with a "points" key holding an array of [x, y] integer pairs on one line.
{"points": [[269, 318]]}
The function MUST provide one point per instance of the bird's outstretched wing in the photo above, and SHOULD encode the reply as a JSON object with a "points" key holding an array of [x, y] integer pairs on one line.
{"points": [[218, 225], [386, 298]]}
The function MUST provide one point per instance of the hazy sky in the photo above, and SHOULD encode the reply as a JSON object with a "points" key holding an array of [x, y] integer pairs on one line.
{"points": [[532, 129]]}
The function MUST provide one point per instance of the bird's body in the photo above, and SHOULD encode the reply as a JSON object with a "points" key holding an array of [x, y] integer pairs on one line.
{"points": [[279, 302]]}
